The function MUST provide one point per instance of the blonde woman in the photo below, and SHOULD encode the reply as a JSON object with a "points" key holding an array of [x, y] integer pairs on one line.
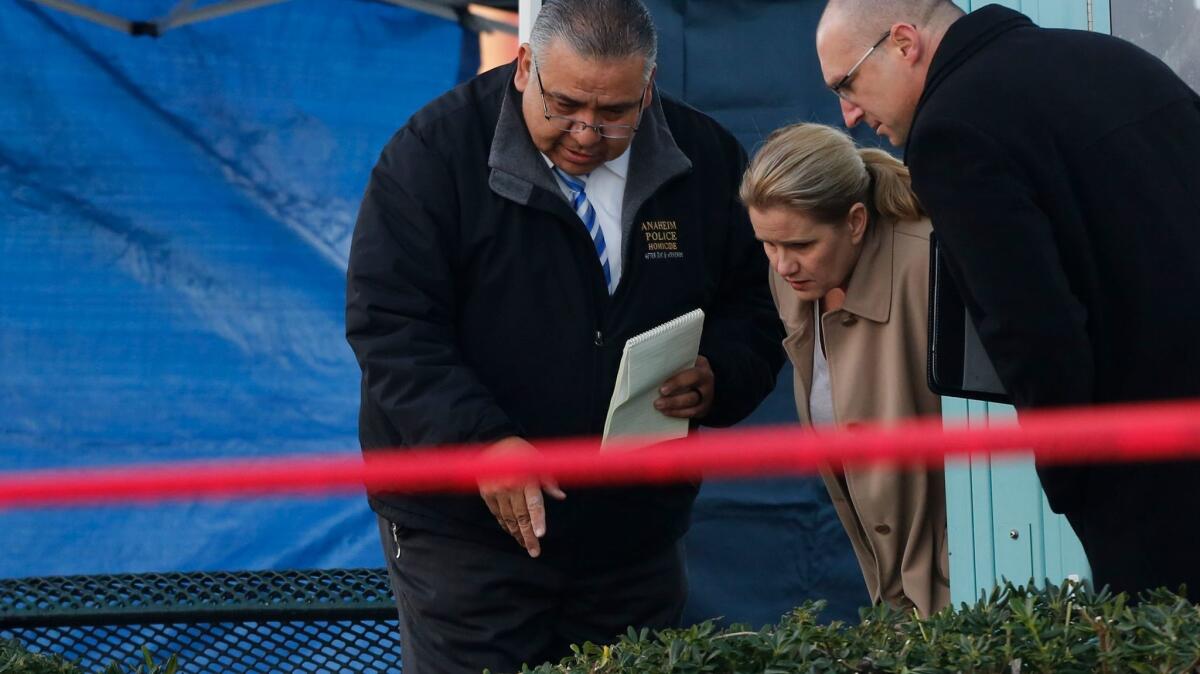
{"points": [[849, 251]]}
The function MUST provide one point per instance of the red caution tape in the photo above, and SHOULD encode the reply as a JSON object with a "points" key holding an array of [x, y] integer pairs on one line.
{"points": [[1101, 434]]}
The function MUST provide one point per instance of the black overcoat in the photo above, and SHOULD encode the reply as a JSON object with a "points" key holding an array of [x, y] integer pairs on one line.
{"points": [[1061, 170]]}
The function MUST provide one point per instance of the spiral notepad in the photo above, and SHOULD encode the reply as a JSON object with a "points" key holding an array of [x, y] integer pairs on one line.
{"points": [[650, 359]]}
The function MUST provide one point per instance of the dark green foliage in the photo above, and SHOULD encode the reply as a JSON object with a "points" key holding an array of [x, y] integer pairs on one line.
{"points": [[147, 666], [14, 659], [1015, 630]]}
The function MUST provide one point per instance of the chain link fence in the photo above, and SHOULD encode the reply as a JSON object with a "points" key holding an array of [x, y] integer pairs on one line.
{"points": [[322, 621]]}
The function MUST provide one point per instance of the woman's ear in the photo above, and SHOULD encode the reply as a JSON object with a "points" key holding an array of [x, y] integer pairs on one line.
{"points": [[857, 221]]}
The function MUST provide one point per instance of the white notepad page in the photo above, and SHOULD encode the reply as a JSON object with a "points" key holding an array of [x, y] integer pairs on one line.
{"points": [[650, 359]]}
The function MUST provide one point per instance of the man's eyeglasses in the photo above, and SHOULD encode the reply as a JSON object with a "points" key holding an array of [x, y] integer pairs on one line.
{"points": [[840, 87], [572, 125]]}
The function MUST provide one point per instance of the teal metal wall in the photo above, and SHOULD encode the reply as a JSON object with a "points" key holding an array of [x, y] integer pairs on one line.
{"points": [[1000, 525]]}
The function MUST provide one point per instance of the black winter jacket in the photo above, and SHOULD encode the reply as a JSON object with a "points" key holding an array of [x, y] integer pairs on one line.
{"points": [[477, 309]]}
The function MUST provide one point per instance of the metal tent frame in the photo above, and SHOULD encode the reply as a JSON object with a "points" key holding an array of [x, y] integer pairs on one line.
{"points": [[183, 14]]}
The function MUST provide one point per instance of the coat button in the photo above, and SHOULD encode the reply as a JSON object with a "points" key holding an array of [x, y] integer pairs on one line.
{"points": [[849, 319], [883, 529]]}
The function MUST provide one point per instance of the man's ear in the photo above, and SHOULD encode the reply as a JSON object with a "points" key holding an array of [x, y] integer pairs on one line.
{"points": [[524, 67], [649, 97], [906, 39]]}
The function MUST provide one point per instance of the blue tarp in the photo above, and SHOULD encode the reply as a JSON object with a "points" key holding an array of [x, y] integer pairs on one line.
{"points": [[173, 235], [174, 224]]}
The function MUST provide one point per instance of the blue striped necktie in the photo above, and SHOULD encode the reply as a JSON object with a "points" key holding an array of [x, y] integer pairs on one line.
{"points": [[583, 208]]}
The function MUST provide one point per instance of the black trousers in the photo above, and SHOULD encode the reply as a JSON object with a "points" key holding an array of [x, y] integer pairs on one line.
{"points": [[466, 606], [1140, 525]]}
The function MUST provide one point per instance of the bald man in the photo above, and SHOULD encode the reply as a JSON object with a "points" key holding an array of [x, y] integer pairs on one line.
{"points": [[1060, 169]]}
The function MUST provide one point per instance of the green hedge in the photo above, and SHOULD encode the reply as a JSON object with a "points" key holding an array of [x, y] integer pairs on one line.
{"points": [[1015, 630], [15, 659]]}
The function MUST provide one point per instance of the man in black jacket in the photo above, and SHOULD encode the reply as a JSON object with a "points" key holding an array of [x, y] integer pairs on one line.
{"points": [[515, 232], [1061, 170]]}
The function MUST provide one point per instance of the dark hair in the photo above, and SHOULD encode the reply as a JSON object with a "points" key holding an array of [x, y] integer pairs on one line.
{"points": [[598, 29]]}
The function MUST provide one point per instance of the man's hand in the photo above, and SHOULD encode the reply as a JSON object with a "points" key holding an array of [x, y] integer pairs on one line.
{"points": [[689, 394], [518, 505]]}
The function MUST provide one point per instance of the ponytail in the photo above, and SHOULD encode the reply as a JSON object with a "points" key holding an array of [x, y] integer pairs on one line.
{"points": [[817, 169], [891, 186]]}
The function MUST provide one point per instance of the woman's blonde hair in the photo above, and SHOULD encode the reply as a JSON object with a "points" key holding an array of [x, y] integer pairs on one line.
{"points": [[818, 170]]}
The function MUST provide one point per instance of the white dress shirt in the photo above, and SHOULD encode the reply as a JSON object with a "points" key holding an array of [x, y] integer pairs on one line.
{"points": [[820, 399], [605, 188]]}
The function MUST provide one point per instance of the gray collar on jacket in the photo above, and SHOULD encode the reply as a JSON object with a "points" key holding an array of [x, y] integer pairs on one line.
{"points": [[517, 166]]}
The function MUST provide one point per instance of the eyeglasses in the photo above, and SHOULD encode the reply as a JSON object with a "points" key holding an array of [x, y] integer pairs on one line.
{"points": [[840, 88], [572, 125]]}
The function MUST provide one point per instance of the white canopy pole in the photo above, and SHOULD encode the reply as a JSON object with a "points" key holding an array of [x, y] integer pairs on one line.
{"points": [[526, 12]]}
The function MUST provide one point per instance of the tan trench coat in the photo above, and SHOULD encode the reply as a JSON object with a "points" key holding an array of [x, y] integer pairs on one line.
{"points": [[876, 350]]}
